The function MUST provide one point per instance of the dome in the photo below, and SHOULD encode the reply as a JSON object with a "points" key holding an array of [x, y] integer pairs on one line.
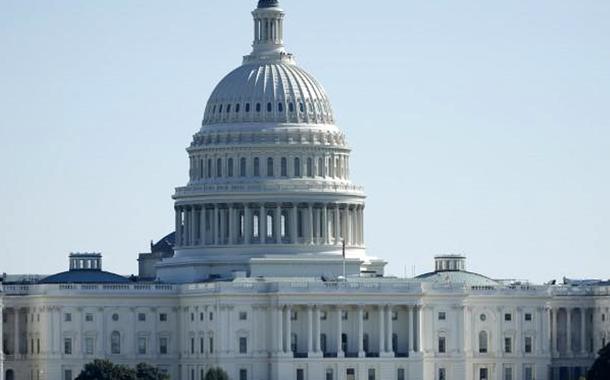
{"points": [[458, 278], [270, 92]]}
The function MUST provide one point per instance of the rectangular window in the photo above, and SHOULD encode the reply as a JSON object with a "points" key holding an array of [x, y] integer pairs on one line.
{"points": [[68, 346], [351, 374], [528, 344], [163, 317], [300, 374], [400, 374], [68, 317], [192, 346], [88, 317], [89, 345], [529, 373], [163, 343], [211, 316], [192, 317], [68, 374], [201, 316], [442, 374], [528, 317], [243, 345], [365, 315], [344, 315], [442, 345], [243, 374], [442, 316], [508, 345], [323, 316], [141, 317], [201, 345], [508, 317], [294, 315], [371, 374], [211, 341], [243, 316], [508, 373], [483, 374], [329, 374], [142, 345]]}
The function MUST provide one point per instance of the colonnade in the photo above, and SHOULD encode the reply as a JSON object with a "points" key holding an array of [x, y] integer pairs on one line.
{"points": [[319, 344], [219, 224], [573, 331]]}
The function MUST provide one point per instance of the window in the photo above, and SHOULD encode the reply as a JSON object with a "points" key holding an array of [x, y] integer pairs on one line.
{"points": [[219, 167], [89, 345], [528, 317], [442, 374], [483, 374], [300, 374], [163, 317], [294, 315], [284, 167], [88, 317], [483, 342], [192, 346], [294, 342], [323, 345], [243, 345], [163, 343], [242, 167], [320, 167], [365, 315], [237, 108], [68, 374], [269, 167], [201, 345], [220, 109], [257, 167], [508, 317], [400, 374], [344, 315], [291, 107], [323, 315], [68, 317], [371, 374], [201, 316], [211, 343], [508, 373], [141, 317], [351, 374], [365, 343], [344, 342], [394, 343], [280, 107], [68, 346], [329, 374], [269, 107], [230, 168], [243, 374], [309, 167], [243, 316], [115, 343], [247, 107], [529, 373], [211, 316], [297, 167], [209, 172], [115, 317], [442, 316], [301, 107], [442, 344], [528, 344], [508, 345], [258, 107], [394, 315], [483, 317], [142, 345]]}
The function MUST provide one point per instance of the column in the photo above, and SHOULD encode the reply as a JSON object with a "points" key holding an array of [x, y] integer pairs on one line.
{"points": [[543, 328], [554, 348], [310, 223], [316, 332], [381, 319], [420, 328], [215, 225], [279, 318], [340, 352], [467, 330], [325, 234], [262, 220], [186, 238], [344, 225], [389, 330], [411, 341], [361, 353], [178, 226], [277, 222], [309, 330], [247, 224], [293, 225], [1, 344], [569, 332], [223, 226], [500, 332], [202, 226], [16, 333], [583, 331], [288, 329], [316, 226], [337, 225], [232, 225]]}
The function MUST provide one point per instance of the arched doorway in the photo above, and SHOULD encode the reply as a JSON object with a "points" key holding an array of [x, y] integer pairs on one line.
{"points": [[10, 374]]}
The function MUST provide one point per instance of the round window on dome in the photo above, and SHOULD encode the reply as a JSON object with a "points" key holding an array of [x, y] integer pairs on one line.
{"points": [[280, 107], [237, 108], [291, 107], [258, 107], [247, 107], [220, 109], [269, 107], [228, 108]]}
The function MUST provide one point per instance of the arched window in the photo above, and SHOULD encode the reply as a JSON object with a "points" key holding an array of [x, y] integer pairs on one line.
{"points": [[228, 108], [258, 107], [220, 109], [483, 342], [237, 108], [115, 343], [269, 167], [320, 167], [297, 167], [309, 167], [301, 107], [219, 167], [291, 107], [257, 167], [242, 167], [269, 107], [230, 167], [280, 107], [247, 107], [284, 167]]}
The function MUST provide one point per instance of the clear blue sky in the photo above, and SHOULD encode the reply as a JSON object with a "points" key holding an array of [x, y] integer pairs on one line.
{"points": [[478, 127]]}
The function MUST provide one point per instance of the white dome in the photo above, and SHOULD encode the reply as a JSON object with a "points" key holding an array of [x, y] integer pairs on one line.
{"points": [[270, 92]]}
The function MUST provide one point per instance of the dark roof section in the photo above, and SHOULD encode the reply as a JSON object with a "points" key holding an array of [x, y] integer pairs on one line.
{"points": [[268, 3], [458, 277], [165, 245], [85, 277]]}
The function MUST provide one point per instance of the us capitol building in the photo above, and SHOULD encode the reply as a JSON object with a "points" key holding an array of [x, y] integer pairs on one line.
{"points": [[267, 274]]}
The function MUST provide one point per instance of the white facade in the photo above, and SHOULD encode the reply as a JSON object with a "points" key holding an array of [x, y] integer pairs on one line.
{"points": [[269, 276]]}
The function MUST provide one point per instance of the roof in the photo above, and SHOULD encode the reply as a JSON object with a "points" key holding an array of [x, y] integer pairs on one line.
{"points": [[268, 3], [166, 244], [85, 277], [458, 277]]}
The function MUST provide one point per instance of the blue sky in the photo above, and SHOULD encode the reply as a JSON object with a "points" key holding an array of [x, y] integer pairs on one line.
{"points": [[479, 128]]}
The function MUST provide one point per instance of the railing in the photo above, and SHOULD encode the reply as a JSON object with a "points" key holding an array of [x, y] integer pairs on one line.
{"points": [[317, 186], [89, 288]]}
